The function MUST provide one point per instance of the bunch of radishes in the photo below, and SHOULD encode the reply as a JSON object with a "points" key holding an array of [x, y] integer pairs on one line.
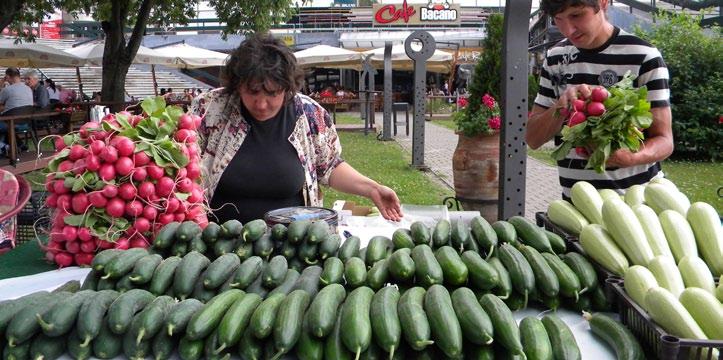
{"points": [[113, 184], [581, 108]]}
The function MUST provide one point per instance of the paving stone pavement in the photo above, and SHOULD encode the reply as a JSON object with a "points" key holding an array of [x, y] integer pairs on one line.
{"points": [[541, 186]]}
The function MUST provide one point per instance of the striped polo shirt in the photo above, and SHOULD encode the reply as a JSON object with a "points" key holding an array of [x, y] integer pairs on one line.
{"points": [[567, 65]]}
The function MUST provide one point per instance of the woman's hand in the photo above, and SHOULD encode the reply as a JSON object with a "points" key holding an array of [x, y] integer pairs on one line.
{"points": [[387, 202]]}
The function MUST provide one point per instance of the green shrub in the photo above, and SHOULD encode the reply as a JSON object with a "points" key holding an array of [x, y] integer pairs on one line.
{"points": [[693, 57]]}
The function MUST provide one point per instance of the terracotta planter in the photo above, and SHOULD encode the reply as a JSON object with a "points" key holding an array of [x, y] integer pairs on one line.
{"points": [[475, 166]]}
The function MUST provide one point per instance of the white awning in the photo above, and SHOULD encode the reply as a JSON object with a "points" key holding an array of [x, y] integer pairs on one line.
{"points": [[376, 39]]}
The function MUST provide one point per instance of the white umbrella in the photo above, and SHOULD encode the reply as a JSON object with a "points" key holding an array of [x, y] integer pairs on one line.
{"points": [[93, 54], [441, 61], [187, 56], [327, 56], [34, 55]]}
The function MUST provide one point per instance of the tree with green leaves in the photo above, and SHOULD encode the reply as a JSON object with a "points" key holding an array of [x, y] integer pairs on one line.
{"points": [[116, 16], [16, 13]]}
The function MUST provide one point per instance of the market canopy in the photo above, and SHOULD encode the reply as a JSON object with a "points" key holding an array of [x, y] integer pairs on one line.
{"points": [[92, 53], [188, 56], [34, 55], [440, 62], [326, 56]]}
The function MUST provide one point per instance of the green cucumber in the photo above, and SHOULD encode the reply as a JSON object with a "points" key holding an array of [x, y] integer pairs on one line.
{"points": [[446, 330], [349, 248], [356, 331], [307, 252], [289, 320], [235, 320], [598, 300], [123, 263], [249, 347], [386, 327], [223, 246], [583, 269], [220, 270], [322, 312], [187, 231], [143, 270], [46, 347], [188, 273], [60, 319], [253, 230], [504, 286], [420, 233], [197, 244], [333, 272], [274, 272], [179, 316], [329, 246], [377, 276], [101, 259], [297, 231], [263, 319], [309, 347], [91, 280], [562, 340], [76, 351], [505, 232], [557, 243], [333, 345], [163, 346], [355, 272], [317, 231], [247, 272], [545, 279], [288, 250], [531, 234], [484, 234], [523, 278], [402, 238], [211, 233], [427, 270], [231, 229], [454, 270], [442, 233], [166, 236], [475, 323], [91, 314], [535, 340], [204, 321], [201, 293], [482, 275], [264, 246], [415, 324], [309, 280], [150, 320], [401, 265], [461, 236], [619, 337], [244, 250], [190, 349], [107, 345], [179, 248], [507, 333], [122, 310], [288, 284], [278, 232], [163, 275], [379, 248], [569, 283], [124, 283]]}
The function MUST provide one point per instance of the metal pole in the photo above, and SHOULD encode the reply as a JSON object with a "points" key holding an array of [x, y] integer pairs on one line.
{"points": [[513, 149], [420, 88], [387, 130]]}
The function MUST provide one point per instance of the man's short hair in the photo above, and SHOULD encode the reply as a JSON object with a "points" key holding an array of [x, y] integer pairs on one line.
{"points": [[13, 72], [553, 7], [32, 73]]}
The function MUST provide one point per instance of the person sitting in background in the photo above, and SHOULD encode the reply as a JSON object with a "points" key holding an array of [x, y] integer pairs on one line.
{"points": [[65, 95], [53, 91], [327, 93], [14, 99], [40, 93], [163, 92]]}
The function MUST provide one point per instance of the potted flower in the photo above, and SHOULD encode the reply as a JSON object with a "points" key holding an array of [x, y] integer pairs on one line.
{"points": [[475, 163]]}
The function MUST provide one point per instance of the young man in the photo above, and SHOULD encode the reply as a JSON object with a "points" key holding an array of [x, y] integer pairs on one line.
{"points": [[596, 53]]}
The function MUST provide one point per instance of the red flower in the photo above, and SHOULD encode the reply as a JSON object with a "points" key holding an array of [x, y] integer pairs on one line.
{"points": [[494, 122], [489, 101], [462, 102]]}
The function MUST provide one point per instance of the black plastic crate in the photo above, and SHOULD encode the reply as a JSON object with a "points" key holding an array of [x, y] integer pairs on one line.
{"points": [[653, 338], [544, 221], [34, 217]]}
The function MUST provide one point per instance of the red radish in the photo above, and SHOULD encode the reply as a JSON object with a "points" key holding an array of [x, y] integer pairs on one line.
{"points": [[110, 191], [108, 118], [181, 173], [70, 233], [172, 205], [50, 256], [135, 119], [87, 247], [184, 185], [59, 143], [142, 224], [80, 203], [124, 166], [107, 172], [150, 213], [63, 259], [141, 158], [87, 128], [96, 147], [59, 187], [57, 237], [115, 207], [139, 241], [193, 171], [84, 234], [124, 113], [578, 105], [72, 247], [51, 200], [125, 146], [146, 189], [192, 150], [165, 218], [64, 203], [154, 171], [196, 196], [595, 108], [109, 154], [122, 244], [134, 208], [576, 118], [84, 258], [182, 207], [102, 244], [197, 121], [164, 187], [184, 135], [126, 191], [179, 216], [79, 167], [92, 163], [49, 182], [76, 152], [97, 199], [66, 165], [599, 94], [139, 174], [582, 152], [185, 121]]}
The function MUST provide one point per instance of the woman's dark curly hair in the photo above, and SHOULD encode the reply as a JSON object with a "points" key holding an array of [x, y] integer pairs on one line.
{"points": [[553, 7], [259, 60]]}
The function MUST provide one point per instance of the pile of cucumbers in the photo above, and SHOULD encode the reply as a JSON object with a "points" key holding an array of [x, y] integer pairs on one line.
{"points": [[302, 243], [332, 324]]}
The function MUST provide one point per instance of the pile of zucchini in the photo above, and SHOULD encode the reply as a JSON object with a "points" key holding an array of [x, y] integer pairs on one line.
{"points": [[302, 243]]}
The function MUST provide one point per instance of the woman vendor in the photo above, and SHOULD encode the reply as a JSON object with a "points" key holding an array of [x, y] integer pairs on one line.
{"points": [[265, 146]]}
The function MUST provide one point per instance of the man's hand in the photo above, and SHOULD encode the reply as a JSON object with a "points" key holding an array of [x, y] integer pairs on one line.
{"points": [[573, 92], [387, 202], [622, 158]]}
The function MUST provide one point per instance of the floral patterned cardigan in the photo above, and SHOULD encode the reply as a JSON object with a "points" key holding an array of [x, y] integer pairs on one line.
{"points": [[223, 129]]}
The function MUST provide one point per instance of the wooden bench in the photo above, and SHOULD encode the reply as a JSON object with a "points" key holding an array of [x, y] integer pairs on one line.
{"points": [[16, 166]]}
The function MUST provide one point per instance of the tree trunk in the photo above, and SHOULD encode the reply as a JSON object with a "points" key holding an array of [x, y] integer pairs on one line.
{"points": [[114, 80], [8, 10]]}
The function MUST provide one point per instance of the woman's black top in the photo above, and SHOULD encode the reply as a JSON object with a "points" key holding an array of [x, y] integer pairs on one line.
{"points": [[265, 174]]}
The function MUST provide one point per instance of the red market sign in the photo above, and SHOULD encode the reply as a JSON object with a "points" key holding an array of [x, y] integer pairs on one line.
{"points": [[442, 13]]}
